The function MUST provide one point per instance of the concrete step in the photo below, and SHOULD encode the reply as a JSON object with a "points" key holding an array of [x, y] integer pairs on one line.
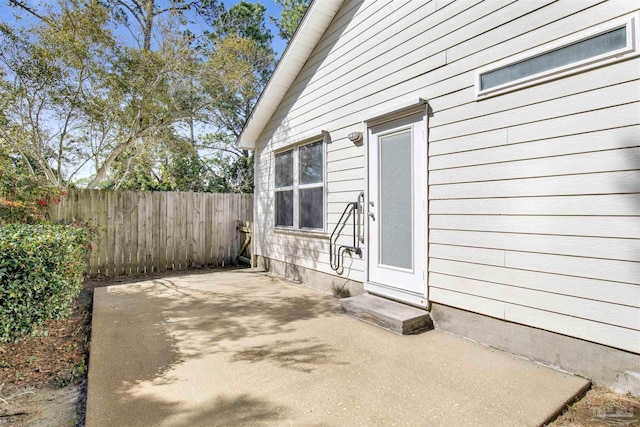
{"points": [[394, 316]]}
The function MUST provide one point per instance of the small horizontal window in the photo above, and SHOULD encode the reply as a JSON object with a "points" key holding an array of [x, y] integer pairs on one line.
{"points": [[557, 59]]}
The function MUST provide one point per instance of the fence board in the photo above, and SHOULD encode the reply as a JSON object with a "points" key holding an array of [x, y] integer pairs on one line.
{"points": [[224, 231], [171, 250], [148, 232], [199, 232], [182, 218], [189, 221], [137, 233], [133, 222], [155, 232], [211, 229], [162, 224], [92, 256], [233, 200]]}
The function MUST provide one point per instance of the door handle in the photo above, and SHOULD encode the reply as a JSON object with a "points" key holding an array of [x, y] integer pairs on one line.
{"points": [[371, 214]]}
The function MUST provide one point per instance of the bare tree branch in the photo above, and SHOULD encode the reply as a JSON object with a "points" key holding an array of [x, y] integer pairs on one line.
{"points": [[26, 8]]}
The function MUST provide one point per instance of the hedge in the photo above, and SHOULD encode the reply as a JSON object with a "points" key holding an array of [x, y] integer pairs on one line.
{"points": [[41, 272]]}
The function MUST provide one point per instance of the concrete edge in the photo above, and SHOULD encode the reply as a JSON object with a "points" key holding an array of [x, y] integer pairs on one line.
{"points": [[610, 367], [369, 322], [415, 332], [577, 396], [91, 368]]}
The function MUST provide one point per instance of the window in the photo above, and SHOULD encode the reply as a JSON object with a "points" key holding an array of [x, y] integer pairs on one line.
{"points": [[284, 189], [583, 51], [299, 187]]}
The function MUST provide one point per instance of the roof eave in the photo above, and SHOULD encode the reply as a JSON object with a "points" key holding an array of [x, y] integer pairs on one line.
{"points": [[314, 23]]}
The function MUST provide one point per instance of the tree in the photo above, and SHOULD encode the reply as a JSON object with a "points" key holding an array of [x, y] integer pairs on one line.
{"points": [[173, 165], [146, 13], [149, 100], [246, 20], [234, 76], [53, 76], [237, 61], [239, 64], [75, 95], [292, 13]]}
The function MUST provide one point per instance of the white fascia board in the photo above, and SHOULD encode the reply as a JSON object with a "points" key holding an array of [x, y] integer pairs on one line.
{"points": [[314, 23]]}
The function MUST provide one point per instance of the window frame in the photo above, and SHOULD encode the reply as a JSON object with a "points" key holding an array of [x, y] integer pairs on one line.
{"points": [[629, 22], [295, 149]]}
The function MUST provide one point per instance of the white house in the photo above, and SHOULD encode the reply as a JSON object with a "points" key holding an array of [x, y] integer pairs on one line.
{"points": [[497, 146]]}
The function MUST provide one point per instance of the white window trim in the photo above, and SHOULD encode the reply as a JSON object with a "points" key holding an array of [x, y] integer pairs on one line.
{"points": [[322, 138], [630, 22]]}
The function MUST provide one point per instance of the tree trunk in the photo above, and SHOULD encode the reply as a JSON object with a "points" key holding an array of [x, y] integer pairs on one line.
{"points": [[149, 7], [102, 171]]}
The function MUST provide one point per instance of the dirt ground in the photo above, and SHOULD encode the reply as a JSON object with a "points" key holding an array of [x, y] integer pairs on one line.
{"points": [[601, 407], [43, 378]]}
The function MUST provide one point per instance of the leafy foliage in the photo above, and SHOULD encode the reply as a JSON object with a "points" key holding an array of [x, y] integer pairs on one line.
{"points": [[41, 272], [236, 72], [125, 91], [78, 96], [235, 176], [234, 76], [174, 165], [292, 13], [24, 197], [54, 78], [246, 20]]}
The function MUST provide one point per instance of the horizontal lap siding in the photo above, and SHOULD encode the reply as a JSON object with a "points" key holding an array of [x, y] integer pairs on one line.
{"points": [[534, 194], [535, 203]]}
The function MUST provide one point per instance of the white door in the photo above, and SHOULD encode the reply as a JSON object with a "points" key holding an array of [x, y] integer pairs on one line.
{"points": [[397, 209]]}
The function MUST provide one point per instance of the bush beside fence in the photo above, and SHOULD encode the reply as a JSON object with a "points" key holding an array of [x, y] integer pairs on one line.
{"points": [[41, 272]]}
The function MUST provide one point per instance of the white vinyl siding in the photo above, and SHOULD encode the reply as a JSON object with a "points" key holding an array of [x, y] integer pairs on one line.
{"points": [[534, 195]]}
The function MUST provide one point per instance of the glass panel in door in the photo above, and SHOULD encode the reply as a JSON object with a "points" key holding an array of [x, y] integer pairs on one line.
{"points": [[396, 200]]}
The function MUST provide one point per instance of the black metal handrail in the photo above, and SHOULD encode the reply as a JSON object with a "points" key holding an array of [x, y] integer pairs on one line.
{"points": [[353, 209]]}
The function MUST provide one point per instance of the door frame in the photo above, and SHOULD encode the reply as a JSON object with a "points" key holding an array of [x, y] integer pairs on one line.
{"points": [[413, 108]]}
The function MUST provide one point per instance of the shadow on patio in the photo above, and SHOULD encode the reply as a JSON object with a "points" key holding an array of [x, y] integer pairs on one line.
{"points": [[246, 348]]}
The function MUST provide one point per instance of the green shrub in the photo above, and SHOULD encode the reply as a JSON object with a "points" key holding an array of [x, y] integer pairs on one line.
{"points": [[41, 272]]}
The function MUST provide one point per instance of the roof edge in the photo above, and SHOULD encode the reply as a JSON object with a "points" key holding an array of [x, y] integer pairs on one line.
{"points": [[312, 27]]}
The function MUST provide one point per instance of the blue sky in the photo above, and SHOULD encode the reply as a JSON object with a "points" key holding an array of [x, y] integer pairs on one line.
{"points": [[273, 9]]}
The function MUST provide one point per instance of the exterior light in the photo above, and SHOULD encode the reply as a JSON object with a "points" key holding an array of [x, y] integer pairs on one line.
{"points": [[355, 137]]}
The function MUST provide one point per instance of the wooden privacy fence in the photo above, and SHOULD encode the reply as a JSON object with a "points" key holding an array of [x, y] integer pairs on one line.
{"points": [[144, 232]]}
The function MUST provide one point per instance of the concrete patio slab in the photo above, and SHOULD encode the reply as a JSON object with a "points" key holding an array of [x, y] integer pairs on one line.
{"points": [[244, 348]]}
